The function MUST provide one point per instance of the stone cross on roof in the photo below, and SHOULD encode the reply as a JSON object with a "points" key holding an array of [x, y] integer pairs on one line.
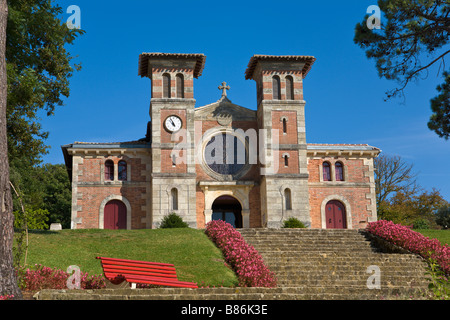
{"points": [[224, 89]]}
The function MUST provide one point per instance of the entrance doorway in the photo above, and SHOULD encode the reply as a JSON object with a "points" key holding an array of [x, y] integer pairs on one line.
{"points": [[115, 215], [228, 209], [335, 215]]}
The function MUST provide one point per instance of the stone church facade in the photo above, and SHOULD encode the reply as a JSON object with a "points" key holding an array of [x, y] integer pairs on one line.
{"points": [[252, 168]]}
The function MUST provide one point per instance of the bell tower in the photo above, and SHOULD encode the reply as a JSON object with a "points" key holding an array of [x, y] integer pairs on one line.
{"points": [[173, 184], [281, 112]]}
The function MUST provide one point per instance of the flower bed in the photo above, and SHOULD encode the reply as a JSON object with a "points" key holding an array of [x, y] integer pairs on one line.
{"points": [[242, 257], [41, 277], [412, 241]]}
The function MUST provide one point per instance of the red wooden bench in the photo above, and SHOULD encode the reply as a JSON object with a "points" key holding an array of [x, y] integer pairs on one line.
{"points": [[132, 271]]}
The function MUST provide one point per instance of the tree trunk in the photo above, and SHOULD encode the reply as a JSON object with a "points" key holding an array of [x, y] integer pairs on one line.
{"points": [[8, 282]]}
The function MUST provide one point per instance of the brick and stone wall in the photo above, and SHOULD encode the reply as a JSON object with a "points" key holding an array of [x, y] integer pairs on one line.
{"points": [[152, 174], [91, 191], [356, 192]]}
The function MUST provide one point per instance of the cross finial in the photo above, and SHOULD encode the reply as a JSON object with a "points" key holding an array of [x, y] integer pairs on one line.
{"points": [[224, 89]]}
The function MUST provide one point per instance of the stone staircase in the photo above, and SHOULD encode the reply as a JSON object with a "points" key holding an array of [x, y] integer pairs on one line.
{"points": [[310, 264], [333, 264]]}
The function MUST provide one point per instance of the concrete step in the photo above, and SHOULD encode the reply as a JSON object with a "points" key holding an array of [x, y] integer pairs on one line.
{"points": [[311, 244], [286, 293], [334, 262], [311, 254], [368, 260], [317, 248], [349, 270], [343, 256]]}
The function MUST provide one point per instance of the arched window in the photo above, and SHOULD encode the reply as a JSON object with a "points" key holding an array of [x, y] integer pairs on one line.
{"points": [[166, 85], [339, 171], [287, 199], [174, 160], [286, 160], [180, 85], [174, 196], [122, 173], [284, 125], [109, 170], [276, 87], [289, 88], [326, 171]]}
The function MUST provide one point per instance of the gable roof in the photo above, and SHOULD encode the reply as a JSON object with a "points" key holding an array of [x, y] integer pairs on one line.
{"points": [[145, 56], [308, 60], [222, 109]]}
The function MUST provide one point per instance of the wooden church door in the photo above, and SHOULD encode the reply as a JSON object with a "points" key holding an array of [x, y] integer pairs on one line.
{"points": [[115, 216], [335, 215]]}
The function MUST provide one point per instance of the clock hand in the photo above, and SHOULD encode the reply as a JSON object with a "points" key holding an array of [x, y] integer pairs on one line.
{"points": [[172, 122]]}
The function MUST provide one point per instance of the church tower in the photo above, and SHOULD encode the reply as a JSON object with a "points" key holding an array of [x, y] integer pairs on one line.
{"points": [[281, 113], [173, 178]]}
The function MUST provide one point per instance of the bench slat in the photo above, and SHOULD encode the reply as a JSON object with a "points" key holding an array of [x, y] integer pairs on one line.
{"points": [[142, 273], [130, 264], [131, 268], [114, 276], [137, 261], [153, 280]]}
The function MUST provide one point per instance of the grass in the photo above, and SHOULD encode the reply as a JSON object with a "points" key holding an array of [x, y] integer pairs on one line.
{"points": [[195, 257], [442, 235]]}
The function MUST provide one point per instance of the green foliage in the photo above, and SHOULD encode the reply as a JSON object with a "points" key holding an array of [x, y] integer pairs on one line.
{"points": [[440, 105], [293, 223], [44, 187], [443, 216], [414, 36], [32, 219], [38, 72], [173, 221], [57, 193], [439, 284], [412, 209], [421, 224], [24, 220]]}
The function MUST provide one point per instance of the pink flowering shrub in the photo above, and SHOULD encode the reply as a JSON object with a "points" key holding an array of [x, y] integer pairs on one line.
{"points": [[7, 297], [242, 257], [41, 277], [412, 241]]}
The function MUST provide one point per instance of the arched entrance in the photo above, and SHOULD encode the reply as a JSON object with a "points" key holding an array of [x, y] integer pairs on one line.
{"points": [[229, 209], [115, 215], [335, 215]]}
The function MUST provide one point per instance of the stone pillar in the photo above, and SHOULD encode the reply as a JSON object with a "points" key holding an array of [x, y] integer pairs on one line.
{"points": [[208, 215], [245, 218]]}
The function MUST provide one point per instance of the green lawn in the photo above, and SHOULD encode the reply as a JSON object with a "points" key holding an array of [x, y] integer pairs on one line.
{"points": [[195, 257], [442, 235]]}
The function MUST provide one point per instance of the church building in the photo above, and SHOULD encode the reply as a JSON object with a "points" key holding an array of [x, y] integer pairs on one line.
{"points": [[251, 168]]}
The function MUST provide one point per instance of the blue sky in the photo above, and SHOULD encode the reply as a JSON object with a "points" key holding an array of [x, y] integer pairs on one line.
{"points": [[344, 95]]}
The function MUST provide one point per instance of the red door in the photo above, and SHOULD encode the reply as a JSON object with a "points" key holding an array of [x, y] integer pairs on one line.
{"points": [[115, 215], [335, 215]]}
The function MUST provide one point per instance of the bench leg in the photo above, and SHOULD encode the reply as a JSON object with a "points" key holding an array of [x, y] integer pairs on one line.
{"points": [[133, 285]]}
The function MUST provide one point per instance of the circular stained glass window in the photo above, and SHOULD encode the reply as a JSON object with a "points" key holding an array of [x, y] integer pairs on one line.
{"points": [[225, 154]]}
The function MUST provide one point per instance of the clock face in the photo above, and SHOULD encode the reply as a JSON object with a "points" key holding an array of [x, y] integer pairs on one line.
{"points": [[172, 123]]}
